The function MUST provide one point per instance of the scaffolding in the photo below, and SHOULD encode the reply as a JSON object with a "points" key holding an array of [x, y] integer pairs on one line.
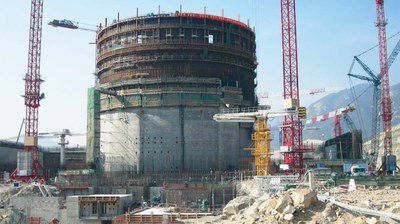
{"points": [[178, 45]]}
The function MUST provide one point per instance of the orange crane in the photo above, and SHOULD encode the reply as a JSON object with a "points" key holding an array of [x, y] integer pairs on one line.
{"points": [[261, 136]]}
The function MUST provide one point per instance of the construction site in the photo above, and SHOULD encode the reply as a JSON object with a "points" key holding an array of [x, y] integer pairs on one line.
{"points": [[176, 132]]}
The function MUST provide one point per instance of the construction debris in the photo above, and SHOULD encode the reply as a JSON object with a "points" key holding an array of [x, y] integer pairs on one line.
{"points": [[12, 215], [303, 206]]}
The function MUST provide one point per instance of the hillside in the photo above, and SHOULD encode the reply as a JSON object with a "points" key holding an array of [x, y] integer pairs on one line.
{"points": [[361, 117]]}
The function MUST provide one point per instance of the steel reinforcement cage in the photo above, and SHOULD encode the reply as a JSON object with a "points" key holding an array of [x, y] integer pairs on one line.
{"points": [[173, 46]]}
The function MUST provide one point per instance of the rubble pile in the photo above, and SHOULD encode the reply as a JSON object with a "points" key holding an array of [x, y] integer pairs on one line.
{"points": [[301, 206], [6, 192], [8, 213], [293, 206], [12, 215], [269, 208]]}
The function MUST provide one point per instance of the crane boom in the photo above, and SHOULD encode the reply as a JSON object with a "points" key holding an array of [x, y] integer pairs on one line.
{"points": [[361, 77], [250, 117], [372, 74], [64, 23], [264, 95], [331, 114], [394, 54], [337, 114]]}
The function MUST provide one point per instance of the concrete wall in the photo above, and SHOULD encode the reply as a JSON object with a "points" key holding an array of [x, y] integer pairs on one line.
{"points": [[169, 139], [8, 158], [136, 191], [72, 204], [45, 207], [190, 197], [82, 211], [50, 160]]}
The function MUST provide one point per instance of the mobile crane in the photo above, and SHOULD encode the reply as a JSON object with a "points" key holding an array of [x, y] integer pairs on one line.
{"points": [[376, 81]]}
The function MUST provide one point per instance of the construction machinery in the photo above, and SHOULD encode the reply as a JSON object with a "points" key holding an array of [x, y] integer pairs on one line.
{"points": [[28, 161], [64, 23], [388, 159], [337, 114], [375, 80], [265, 95], [292, 139], [62, 135], [261, 136]]}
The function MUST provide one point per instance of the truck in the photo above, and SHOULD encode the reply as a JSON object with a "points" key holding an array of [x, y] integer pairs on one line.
{"points": [[360, 169], [355, 169]]}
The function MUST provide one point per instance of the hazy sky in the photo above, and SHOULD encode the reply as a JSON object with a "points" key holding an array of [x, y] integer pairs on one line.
{"points": [[330, 33]]}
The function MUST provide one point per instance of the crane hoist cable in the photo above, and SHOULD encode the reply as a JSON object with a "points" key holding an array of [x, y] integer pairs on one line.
{"points": [[370, 49]]}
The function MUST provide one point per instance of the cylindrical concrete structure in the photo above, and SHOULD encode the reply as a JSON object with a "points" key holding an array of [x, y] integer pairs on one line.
{"points": [[166, 76]]}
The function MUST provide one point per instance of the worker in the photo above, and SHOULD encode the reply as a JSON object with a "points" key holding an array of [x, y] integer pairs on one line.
{"points": [[204, 204], [154, 201], [144, 203]]}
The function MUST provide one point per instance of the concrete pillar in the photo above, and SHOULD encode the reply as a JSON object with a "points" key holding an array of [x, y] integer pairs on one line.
{"points": [[311, 179]]}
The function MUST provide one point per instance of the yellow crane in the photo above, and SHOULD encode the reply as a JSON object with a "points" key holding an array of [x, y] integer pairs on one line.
{"points": [[261, 136]]}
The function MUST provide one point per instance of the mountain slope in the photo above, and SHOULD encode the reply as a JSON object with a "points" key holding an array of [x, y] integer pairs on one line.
{"points": [[361, 117]]}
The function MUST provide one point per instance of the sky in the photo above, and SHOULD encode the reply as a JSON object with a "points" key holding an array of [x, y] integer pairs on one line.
{"points": [[330, 33]]}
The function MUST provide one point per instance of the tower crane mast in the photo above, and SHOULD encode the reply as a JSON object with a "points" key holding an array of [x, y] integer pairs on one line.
{"points": [[261, 136], [32, 94], [292, 127], [389, 158]]}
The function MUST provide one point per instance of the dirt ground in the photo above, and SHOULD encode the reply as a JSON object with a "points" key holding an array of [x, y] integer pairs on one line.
{"points": [[387, 200]]}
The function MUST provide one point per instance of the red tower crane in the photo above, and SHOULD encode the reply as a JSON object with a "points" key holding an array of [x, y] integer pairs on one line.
{"points": [[265, 95], [337, 114], [292, 127], [388, 159], [32, 97]]}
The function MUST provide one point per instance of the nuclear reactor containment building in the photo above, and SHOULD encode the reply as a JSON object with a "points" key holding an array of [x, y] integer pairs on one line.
{"points": [[162, 78]]}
